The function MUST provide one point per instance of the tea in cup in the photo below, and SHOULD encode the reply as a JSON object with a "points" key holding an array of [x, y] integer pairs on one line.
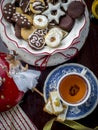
{"points": [[74, 89]]}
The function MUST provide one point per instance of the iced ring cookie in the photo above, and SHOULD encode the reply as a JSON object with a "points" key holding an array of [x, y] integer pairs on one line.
{"points": [[54, 37], [37, 6], [40, 21]]}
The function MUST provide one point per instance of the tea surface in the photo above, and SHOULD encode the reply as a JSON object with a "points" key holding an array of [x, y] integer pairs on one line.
{"points": [[73, 88]]}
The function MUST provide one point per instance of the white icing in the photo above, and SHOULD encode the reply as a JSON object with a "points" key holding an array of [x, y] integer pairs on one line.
{"points": [[54, 37], [5, 12], [22, 22], [21, 3], [10, 6], [8, 17], [27, 7], [36, 3], [55, 29], [40, 21], [52, 8]]}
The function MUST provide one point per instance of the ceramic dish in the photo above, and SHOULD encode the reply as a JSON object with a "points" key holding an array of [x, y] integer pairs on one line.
{"points": [[81, 111], [69, 47]]}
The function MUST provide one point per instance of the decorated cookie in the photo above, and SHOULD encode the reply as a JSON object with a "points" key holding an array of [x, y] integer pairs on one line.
{"points": [[36, 39], [54, 37], [24, 4], [21, 20], [17, 31], [37, 6], [76, 9], [25, 32], [66, 23], [8, 11], [54, 12], [40, 21]]}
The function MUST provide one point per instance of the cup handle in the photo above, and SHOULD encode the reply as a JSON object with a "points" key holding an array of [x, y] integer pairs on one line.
{"points": [[83, 72]]}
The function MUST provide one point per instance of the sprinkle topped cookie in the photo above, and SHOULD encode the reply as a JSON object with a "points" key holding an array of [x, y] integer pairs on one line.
{"points": [[8, 11], [21, 20], [54, 12]]}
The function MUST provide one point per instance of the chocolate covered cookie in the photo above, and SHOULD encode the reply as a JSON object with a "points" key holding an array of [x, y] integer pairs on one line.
{"points": [[8, 11], [76, 9], [17, 31], [21, 20], [66, 23], [36, 40]]}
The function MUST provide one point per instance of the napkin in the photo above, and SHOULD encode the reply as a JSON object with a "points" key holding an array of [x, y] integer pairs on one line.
{"points": [[15, 119]]}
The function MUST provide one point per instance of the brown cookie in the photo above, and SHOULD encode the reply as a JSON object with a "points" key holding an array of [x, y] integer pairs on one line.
{"points": [[36, 39], [76, 9], [21, 20], [8, 11], [66, 23], [17, 31]]}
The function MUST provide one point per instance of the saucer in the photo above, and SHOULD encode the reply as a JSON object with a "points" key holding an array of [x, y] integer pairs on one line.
{"points": [[76, 112]]}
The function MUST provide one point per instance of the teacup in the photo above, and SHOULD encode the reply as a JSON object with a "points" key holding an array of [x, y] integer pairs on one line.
{"points": [[74, 88]]}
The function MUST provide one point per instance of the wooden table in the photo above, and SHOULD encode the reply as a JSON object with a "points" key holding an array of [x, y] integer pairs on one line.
{"points": [[33, 103]]}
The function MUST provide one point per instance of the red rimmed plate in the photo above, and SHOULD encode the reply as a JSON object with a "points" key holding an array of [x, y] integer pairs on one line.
{"points": [[47, 56]]}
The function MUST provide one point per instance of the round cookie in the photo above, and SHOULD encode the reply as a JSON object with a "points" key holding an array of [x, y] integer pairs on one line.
{"points": [[66, 23], [76, 9], [54, 37], [25, 33], [37, 6], [8, 11], [40, 21]]}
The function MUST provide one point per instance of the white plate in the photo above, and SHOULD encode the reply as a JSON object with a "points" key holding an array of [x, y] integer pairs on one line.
{"points": [[81, 111], [47, 56]]}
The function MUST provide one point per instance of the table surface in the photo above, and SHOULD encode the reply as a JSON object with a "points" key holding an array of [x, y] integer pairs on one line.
{"points": [[33, 103]]}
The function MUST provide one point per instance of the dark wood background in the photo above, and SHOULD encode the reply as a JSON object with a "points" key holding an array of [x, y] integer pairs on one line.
{"points": [[33, 103]]}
